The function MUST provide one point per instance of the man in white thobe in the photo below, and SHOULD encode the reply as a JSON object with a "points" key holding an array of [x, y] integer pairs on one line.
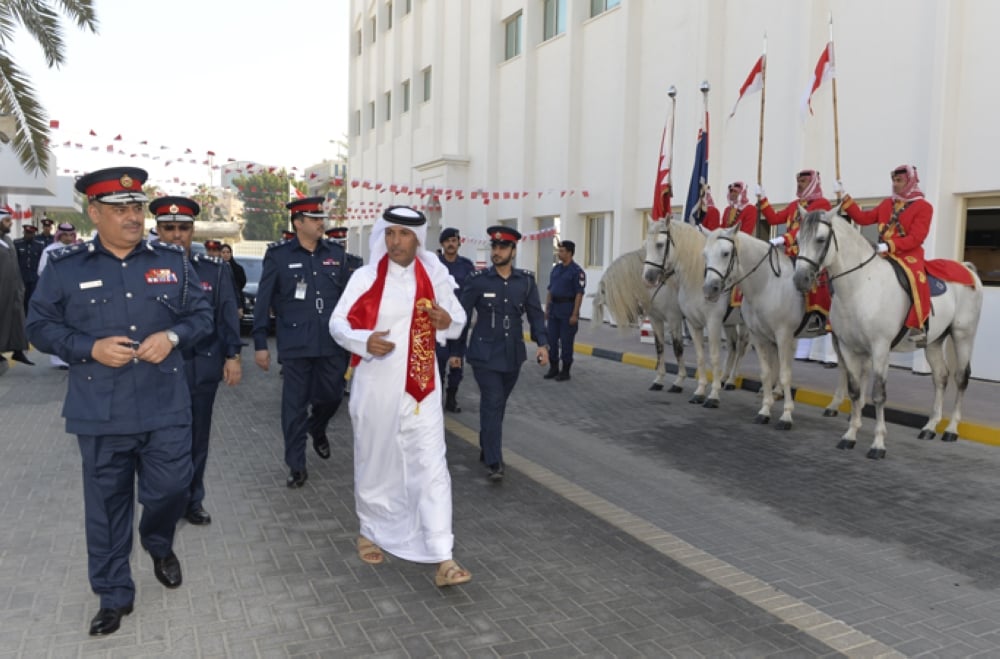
{"points": [[390, 315]]}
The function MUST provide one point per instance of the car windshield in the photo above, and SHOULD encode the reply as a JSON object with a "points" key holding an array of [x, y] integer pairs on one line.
{"points": [[253, 266]]}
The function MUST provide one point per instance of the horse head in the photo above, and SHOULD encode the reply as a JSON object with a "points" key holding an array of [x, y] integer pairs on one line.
{"points": [[816, 235], [657, 267], [720, 259]]}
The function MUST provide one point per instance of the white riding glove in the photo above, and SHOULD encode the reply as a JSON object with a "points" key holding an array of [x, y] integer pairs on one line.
{"points": [[838, 187], [882, 248], [778, 242], [759, 190]]}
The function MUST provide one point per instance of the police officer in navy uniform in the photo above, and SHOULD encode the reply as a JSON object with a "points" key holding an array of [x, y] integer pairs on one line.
{"points": [[338, 235], [301, 280], [567, 284], [46, 236], [217, 356], [119, 311], [450, 356], [29, 251], [500, 295]]}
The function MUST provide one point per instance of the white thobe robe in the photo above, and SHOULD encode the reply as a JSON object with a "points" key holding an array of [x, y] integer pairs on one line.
{"points": [[402, 488]]}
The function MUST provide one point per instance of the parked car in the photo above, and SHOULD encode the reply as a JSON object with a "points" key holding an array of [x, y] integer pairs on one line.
{"points": [[253, 266]]}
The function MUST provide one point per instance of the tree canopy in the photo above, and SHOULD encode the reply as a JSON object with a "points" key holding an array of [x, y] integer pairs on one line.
{"points": [[264, 196]]}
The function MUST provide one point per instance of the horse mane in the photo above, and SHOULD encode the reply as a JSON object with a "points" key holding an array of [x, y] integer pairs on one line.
{"points": [[687, 253], [622, 291]]}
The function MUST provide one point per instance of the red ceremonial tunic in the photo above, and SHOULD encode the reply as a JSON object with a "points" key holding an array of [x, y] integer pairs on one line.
{"points": [[903, 226], [747, 221], [818, 299]]}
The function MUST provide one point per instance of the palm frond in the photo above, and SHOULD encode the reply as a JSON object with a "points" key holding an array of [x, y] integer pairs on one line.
{"points": [[81, 11], [17, 98], [8, 24], [42, 23]]}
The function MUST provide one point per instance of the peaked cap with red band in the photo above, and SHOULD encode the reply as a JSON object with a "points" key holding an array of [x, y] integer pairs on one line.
{"points": [[309, 206], [213, 244], [174, 209], [337, 233], [502, 234], [115, 185]]}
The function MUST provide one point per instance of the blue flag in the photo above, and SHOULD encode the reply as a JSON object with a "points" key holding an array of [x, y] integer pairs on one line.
{"points": [[693, 212]]}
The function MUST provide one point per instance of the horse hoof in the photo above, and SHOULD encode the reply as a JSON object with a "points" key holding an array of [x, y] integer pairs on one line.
{"points": [[830, 412], [926, 434], [876, 454], [674, 389], [761, 419], [656, 387], [697, 400], [783, 425], [711, 403], [949, 437], [729, 386], [845, 444]]}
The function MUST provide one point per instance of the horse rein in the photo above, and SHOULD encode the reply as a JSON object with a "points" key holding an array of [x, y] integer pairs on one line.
{"points": [[774, 263], [815, 265]]}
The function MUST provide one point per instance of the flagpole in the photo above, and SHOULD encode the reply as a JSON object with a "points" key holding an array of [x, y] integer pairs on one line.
{"points": [[672, 93], [704, 185], [836, 126], [760, 132]]}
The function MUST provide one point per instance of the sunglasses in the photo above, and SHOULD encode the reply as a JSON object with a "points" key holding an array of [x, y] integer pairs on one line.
{"points": [[185, 227]]}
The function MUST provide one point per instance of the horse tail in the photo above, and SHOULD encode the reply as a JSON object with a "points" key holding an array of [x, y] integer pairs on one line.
{"points": [[971, 267], [623, 292]]}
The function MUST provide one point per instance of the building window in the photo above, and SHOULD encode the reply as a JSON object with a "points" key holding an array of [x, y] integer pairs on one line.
{"points": [[406, 96], [388, 15], [388, 105], [371, 115], [356, 122], [601, 6], [596, 240], [374, 26], [427, 83], [982, 238], [357, 41], [554, 19], [512, 36]]}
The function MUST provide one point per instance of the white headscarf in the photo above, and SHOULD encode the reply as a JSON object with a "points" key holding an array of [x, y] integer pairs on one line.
{"points": [[376, 245]]}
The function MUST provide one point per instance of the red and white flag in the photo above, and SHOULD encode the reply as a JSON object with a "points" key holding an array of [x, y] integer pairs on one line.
{"points": [[753, 84], [662, 189], [824, 71]]}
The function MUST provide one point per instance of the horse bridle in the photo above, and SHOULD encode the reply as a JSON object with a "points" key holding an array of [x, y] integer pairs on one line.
{"points": [[662, 265], [774, 262], [815, 265]]}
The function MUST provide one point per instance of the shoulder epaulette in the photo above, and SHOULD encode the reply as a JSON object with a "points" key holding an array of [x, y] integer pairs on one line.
{"points": [[206, 258], [277, 243], [69, 250], [478, 273], [170, 247], [529, 273]]}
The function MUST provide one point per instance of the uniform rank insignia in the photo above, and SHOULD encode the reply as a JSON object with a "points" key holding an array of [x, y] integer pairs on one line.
{"points": [[206, 286], [161, 276], [331, 262]]}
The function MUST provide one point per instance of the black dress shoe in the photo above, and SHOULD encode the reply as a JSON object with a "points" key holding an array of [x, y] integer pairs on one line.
{"points": [[296, 478], [19, 356], [198, 517], [107, 621], [168, 570], [496, 472], [322, 446]]}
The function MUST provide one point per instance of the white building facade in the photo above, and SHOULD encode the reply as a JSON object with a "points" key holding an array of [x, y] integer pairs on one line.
{"points": [[555, 108]]}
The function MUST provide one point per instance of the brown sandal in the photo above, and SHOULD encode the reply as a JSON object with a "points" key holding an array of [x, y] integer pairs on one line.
{"points": [[451, 573], [369, 552]]}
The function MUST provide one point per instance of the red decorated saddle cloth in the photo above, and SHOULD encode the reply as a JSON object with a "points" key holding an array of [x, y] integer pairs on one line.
{"points": [[948, 270]]}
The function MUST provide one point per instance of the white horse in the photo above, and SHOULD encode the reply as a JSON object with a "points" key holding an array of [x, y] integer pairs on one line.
{"points": [[675, 249], [623, 294], [867, 316], [773, 310]]}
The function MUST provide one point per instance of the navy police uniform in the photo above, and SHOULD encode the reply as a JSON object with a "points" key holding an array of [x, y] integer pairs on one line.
{"points": [[29, 251], [302, 288], [46, 238], [132, 419], [496, 345], [204, 360], [565, 283], [459, 269]]}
